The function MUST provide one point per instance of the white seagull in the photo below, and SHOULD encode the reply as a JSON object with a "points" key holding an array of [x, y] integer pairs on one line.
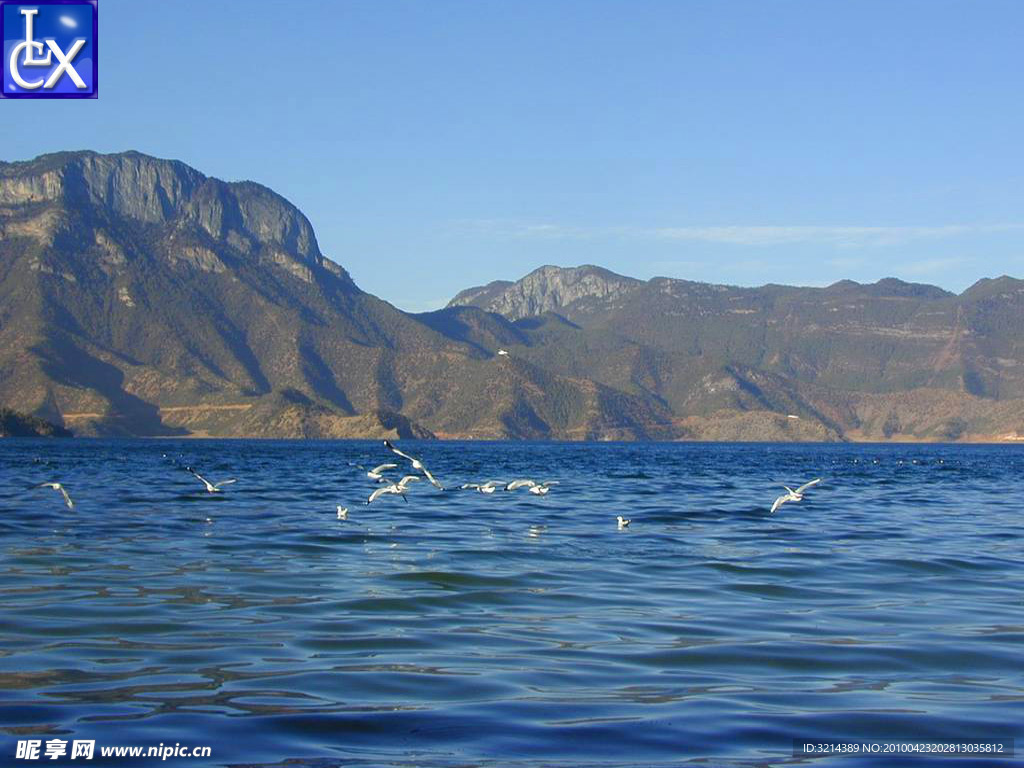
{"points": [[408, 479], [416, 464], [623, 522], [539, 489], [396, 488], [63, 492], [489, 487], [210, 487], [377, 472], [389, 488], [342, 512], [520, 484], [791, 495]]}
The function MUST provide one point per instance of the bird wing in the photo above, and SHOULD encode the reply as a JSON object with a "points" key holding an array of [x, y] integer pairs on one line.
{"points": [[55, 486], [789, 489], [381, 468], [469, 486], [778, 503], [64, 493], [406, 480], [431, 478], [198, 476], [546, 483], [378, 493], [225, 482], [390, 447], [805, 486]]}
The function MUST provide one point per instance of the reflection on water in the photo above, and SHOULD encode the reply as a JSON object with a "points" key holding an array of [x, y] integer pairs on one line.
{"points": [[462, 629]]}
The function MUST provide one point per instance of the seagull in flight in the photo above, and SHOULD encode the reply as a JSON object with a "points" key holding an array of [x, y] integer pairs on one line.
{"points": [[63, 492], [791, 495], [489, 487], [377, 473], [623, 522], [416, 464], [540, 489], [210, 487], [342, 512], [389, 488], [396, 488], [520, 484]]}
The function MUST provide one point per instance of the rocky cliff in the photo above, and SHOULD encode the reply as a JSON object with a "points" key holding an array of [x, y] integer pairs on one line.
{"points": [[550, 289]]}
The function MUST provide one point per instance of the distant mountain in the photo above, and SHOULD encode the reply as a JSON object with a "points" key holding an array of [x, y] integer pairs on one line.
{"points": [[889, 360], [550, 289], [140, 297]]}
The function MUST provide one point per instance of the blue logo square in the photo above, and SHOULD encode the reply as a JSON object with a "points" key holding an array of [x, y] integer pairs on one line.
{"points": [[49, 49]]}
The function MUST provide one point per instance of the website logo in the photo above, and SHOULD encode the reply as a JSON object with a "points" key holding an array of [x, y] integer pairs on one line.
{"points": [[49, 49]]}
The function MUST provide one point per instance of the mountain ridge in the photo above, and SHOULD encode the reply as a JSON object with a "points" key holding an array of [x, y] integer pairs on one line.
{"points": [[139, 296], [714, 352]]}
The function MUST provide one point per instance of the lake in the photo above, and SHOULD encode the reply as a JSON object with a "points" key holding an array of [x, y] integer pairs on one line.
{"points": [[462, 629]]}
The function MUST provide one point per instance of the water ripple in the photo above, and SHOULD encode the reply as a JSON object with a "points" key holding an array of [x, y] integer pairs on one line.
{"points": [[511, 630]]}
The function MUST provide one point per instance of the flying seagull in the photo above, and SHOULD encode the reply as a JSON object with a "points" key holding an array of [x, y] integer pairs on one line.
{"points": [[210, 487], [397, 488], [623, 522], [342, 512], [791, 495], [539, 489], [389, 488], [63, 492], [416, 464], [377, 472], [489, 487], [520, 484]]}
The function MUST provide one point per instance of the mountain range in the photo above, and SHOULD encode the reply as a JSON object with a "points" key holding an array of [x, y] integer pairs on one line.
{"points": [[141, 297]]}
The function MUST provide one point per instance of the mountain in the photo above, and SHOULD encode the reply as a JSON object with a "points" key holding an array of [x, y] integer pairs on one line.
{"points": [[550, 289], [141, 297], [888, 360]]}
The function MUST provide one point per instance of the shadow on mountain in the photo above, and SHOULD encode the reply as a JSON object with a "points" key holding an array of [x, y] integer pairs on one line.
{"points": [[67, 364]]}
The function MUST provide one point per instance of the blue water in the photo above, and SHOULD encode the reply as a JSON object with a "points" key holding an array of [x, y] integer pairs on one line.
{"points": [[511, 630]]}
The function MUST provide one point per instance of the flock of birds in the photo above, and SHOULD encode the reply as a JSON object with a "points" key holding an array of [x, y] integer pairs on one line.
{"points": [[387, 486]]}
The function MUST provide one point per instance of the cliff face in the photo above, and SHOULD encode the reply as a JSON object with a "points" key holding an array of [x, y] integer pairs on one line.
{"points": [[549, 289], [90, 188], [138, 296]]}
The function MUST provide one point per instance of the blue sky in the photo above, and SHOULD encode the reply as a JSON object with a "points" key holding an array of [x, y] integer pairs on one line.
{"points": [[441, 144]]}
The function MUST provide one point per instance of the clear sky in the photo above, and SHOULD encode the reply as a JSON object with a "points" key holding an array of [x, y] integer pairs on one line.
{"points": [[440, 144]]}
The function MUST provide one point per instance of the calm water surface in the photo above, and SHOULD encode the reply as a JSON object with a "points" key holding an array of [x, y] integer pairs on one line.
{"points": [[511, 630]]}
